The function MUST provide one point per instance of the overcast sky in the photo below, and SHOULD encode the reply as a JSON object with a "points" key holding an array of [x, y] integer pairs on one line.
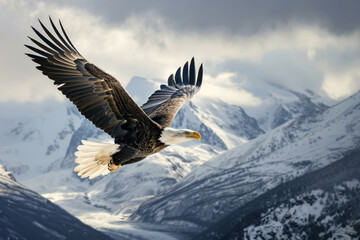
{"points": [[243, 44]]}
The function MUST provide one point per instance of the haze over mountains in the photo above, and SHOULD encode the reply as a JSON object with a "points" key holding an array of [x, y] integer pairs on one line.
{"points": [[187, 189]]}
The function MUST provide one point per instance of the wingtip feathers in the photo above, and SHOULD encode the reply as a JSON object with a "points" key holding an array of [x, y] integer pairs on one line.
{"points": [[188, 76]]}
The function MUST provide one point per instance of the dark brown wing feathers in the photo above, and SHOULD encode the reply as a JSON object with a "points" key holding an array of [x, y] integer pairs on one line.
{"points": [[97, 95]]}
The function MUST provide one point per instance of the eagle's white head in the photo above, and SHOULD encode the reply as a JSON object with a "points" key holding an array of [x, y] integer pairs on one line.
{"points": [[171, 136]]}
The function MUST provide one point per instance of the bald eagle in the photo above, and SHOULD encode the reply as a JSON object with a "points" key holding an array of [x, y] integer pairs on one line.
{"points": [[137, 131]]}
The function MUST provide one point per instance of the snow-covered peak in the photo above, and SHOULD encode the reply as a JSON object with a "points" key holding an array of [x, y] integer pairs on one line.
{"points": [[220, 124], [280, 105], [140, 88]]}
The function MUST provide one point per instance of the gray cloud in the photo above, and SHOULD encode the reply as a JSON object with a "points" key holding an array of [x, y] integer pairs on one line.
{"points": [[300, 45], [240, 17]]}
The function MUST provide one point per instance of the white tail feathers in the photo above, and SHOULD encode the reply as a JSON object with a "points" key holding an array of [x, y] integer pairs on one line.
{"points": [[93, 158]]}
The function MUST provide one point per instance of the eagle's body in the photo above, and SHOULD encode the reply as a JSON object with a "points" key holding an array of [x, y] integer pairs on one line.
{"points": [[137, 131]]}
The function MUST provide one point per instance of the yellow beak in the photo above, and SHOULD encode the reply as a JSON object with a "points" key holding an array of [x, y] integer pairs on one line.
{"points": [[194, 135]]}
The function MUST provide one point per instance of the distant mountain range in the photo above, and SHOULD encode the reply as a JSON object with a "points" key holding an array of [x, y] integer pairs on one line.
{"points": [[187, 189]]}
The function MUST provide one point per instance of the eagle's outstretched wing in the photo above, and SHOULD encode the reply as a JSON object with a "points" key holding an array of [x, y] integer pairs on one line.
{"points": [[163, 104], [97, 95]]}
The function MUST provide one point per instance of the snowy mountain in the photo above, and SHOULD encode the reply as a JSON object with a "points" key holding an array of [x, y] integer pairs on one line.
{"points": [[138, 182], [222, 125], [160, 172], [107, 202], [280, 105], [224, 183], [55, 129], [35, 135], [323, 204], [27, 215]]}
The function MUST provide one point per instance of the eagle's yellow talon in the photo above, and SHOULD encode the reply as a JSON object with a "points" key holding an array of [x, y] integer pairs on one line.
{"points": [[113, 167]]}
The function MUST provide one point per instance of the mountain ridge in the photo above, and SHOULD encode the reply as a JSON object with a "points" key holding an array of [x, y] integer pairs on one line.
{"points": [[236, 176]]}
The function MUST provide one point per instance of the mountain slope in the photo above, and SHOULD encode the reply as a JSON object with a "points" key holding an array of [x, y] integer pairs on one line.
{"points": [[323, 204], [228, 181], [220, 124], [27, 215], [35, 135]]}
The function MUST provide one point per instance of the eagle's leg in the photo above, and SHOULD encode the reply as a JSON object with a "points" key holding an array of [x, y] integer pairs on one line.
{"points": [[119, 158]]}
